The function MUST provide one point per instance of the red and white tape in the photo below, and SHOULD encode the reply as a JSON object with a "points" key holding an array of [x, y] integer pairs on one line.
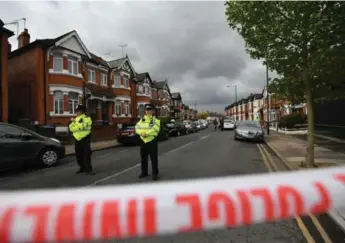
{"points": [[102, 213]]}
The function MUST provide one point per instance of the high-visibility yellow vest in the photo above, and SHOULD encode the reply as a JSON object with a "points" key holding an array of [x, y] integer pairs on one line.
{"points": [[150, 125], [81, 127]]}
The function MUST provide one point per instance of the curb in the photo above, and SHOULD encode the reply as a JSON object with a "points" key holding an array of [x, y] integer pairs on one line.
{"points": [[98, 149], [337, 218]]}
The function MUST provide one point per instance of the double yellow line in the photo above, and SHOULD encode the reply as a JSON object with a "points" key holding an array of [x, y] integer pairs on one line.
{"points": [[272, 167]]}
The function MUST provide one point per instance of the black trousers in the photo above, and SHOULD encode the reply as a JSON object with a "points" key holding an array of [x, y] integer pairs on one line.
{"points": [[146, 149], [83, 154]]}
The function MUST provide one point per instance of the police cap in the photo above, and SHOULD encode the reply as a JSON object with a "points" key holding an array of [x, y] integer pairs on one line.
{"points": [[149, 107], [81, 108]]}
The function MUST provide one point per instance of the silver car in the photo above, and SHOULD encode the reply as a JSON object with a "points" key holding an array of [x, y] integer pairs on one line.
{"points": [[249, 130]]}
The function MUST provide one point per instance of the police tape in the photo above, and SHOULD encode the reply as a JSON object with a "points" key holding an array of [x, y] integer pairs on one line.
{"points": [[115, 212]]}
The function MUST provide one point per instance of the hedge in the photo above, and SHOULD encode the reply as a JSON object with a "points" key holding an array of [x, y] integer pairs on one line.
{"points": [[291, 120]]}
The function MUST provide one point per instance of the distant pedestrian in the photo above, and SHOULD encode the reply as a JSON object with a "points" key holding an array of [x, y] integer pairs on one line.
{"points": [[215, 123], [80, 127], [148, 129]]}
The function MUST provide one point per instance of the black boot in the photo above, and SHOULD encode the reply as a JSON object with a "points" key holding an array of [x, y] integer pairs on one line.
{"points": [[142, 175], [155, 177]]}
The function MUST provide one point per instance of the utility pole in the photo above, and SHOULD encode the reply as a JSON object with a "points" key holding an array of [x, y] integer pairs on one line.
{"points": [[122, 47], [267, 101], [235, 93]]}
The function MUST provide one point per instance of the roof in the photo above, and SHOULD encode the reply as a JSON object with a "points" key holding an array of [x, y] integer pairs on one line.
{"points": [[100, 91], [159, 84], [176, 95], [4, 30], [117, 62], [141, 77]]}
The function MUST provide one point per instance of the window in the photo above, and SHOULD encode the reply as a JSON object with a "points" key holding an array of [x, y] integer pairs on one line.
{"points": [[160, 94], [118, 108], [140, 89], [57, 63], [141, 110], [58, 102], [7, 131], [127, 108], [104, 79], [92, 76], [117, 80], [73, 100], [73, 65], [126, 81]]}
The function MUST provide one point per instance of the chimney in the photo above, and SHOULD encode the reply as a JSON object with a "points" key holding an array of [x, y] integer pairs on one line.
{"points": [[99, 59], [23, 39]]}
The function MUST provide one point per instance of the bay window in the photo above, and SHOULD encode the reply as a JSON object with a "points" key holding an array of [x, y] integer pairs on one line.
{"points": [[141, 110], [126, 81], [104, 79], [92, 76], [117, 80], [58, 102], [140, 89], [73, 65], [118, 108], [73, 100], [57, 63]]}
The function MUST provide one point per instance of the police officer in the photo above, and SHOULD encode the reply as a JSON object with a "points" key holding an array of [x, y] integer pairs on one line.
{"points": [[148, 129], [80, 127]]}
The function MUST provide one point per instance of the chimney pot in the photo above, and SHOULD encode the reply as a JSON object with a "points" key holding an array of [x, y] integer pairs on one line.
{"points": [[23, 39]]}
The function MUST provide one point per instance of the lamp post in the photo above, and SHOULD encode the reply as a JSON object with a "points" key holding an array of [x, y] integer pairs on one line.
{"points": [[267, 101]]}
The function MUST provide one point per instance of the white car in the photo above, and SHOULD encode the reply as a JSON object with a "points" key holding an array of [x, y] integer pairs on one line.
{"points": [[229, 124]]}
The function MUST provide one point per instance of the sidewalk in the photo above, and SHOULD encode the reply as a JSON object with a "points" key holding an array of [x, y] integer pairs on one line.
{"points": [[94, 146], [291, 150]]}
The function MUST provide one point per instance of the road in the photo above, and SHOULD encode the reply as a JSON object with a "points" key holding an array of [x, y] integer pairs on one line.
{"points": [[200, 155]]}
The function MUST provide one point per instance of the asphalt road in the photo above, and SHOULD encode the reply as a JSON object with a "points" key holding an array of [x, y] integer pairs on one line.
{"points": [[200, 155]]}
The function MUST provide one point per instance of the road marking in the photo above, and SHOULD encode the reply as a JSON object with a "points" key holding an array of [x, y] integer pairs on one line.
{"points": [[123, 151], [181, 147], [204, 137], [114, 175], [101, 156], [269, 164]]}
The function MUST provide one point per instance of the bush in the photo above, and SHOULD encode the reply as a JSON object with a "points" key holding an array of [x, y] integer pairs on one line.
{"points": [[291, 120], [164, 120]]}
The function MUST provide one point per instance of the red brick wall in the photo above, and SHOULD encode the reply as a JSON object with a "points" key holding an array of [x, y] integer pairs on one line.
{"points": [[4, 77], [22, 74]]}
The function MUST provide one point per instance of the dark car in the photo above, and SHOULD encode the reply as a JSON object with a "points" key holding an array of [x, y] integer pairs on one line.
{"points": [[191, 127], [127, 135], [176, 128], [20, 146]]}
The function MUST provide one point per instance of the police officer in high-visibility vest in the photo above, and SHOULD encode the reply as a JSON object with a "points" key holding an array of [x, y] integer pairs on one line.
{"points": [[148, 129], [80, 127]]}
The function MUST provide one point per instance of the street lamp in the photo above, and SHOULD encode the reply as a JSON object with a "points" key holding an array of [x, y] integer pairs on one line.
{"points": [[229, 86]]}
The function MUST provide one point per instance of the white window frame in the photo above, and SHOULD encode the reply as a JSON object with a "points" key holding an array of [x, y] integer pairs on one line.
{"points": [[60, 104], [118, 108], [104, 79], [92, 76], [140, 89], [141, 112], [125, 81], [74, 69], [55, 60], [75, 103]]}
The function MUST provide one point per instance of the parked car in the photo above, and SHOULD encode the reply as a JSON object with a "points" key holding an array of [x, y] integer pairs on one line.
{"points": [[249, 130], [22, 147], [127, 135], [190, 126], [176, 129], [228, 124], [236, 123]]}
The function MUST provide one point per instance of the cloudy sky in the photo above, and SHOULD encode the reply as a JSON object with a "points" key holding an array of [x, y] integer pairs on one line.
{"points": [[189, 43]]}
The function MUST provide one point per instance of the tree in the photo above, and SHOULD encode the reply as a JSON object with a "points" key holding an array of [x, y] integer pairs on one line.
{"points": [[300, 41], [203, 115]]}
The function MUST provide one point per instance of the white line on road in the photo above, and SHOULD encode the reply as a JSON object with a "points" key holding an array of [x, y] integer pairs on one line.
{"points": [[183, 146], [114, 175], [204, 137], [101, 156], [123, 151]]}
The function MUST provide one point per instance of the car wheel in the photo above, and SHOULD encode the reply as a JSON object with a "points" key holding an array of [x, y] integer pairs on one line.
{"points": [[166, 136], [186, 131], [178, 133], [48, 157]]}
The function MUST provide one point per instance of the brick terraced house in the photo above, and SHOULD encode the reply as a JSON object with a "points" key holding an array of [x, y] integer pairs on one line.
{"points": [[164, 97], [176, 105], [144, 92], [5, 48]]}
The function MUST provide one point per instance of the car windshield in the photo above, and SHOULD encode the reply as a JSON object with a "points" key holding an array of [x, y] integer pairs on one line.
{"points": [[248, 124], [227, 120], [186, 122]]}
